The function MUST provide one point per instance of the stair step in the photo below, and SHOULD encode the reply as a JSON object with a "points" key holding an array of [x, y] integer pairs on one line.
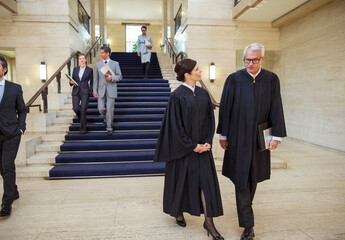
{"points": [[33, 171], [114, 136], [120, 126], [62, 120], [93, 157], [53, 137], [42, 158], [57, 129], [107, 145], [107, 170], [123, 118], [48, 147]]}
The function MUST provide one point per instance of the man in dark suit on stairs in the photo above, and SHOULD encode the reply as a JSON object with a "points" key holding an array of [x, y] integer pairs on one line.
{"points": [[12, 126], [83, 75]]}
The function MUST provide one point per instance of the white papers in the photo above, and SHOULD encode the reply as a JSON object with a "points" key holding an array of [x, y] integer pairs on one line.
{"points": [[107, 70], [147, 43], [268, 137], [70, 78]]}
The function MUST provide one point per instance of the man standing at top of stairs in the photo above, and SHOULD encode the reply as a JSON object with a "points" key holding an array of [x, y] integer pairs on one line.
{"points": [[105, 87]]}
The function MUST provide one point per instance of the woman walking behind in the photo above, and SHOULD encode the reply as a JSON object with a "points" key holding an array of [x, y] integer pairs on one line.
{"points": [[144, 49], [185, 140]]}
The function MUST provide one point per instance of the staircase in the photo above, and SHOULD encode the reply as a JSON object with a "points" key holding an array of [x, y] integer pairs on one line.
{"points": [[139, 111]]}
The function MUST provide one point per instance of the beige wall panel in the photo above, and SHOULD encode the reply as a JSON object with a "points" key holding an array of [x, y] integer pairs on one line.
{"points": [[313, 76], [117, 37], [220, 9], [34, 34], [42, 7]]}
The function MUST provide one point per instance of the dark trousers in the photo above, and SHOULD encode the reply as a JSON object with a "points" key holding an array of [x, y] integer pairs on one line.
{"points": [[244, 199], [146, 67], [8, 152], [80, 103]]}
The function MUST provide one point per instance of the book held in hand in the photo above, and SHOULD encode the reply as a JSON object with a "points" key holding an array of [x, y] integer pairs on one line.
{"points": [[147, 43], [70, 78], [264, 135], [106, 70]]}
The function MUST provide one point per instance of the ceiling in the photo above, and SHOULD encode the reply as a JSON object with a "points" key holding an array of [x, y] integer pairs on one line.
{"points": [[134, 10], [270, 10]]}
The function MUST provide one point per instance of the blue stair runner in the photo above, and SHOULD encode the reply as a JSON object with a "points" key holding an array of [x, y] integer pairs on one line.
{"points": [[139, 111]]}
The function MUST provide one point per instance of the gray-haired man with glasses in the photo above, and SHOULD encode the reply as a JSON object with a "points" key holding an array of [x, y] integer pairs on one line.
{"points": [[250, 97]]}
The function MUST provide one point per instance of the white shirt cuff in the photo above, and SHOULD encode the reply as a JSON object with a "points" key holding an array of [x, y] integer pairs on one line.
{"points": [[279, 139], [221, 137]]}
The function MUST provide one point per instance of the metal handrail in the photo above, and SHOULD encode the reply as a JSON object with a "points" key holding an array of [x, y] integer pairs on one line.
{"points": [[183, 55], [44, 89], [172, 52]]}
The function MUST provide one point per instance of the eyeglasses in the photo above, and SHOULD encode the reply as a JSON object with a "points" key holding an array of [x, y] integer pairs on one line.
{"points": [[143, 30], [255, 60]]}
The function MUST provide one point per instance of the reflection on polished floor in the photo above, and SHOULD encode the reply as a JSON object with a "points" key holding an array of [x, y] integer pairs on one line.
{"points": [[304, 201]]}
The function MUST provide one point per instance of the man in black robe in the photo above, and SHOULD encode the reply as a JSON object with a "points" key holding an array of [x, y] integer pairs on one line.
{"points": [[251, 96]]}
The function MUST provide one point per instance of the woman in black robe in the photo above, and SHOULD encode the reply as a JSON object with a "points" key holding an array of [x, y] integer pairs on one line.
{"points": [[191, 183]]}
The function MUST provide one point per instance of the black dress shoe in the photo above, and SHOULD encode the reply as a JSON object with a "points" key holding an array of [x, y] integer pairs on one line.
{"points": [[181, 222], [16, 196], [110, 132], [83, 131], [5, 210], [248, 234]]}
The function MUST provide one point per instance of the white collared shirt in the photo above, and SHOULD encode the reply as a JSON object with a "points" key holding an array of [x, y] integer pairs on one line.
{"points": [[106, 60], [188, 86], [2, 89], [81, 72], [256, 73]]}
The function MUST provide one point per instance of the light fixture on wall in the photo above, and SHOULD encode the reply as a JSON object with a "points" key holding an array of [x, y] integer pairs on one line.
{"points": [[43, 71], [212, 72]]}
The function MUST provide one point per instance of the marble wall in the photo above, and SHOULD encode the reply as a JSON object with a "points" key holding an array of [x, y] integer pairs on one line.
{"points": [[42, 31], [312, 51]]}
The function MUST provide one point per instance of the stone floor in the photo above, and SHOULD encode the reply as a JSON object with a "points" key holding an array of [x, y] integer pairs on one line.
{"points": [[304, 201]]}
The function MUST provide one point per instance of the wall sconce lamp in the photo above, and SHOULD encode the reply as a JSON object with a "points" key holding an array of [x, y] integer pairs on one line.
{"points": [[212, 72], [43, 71]]}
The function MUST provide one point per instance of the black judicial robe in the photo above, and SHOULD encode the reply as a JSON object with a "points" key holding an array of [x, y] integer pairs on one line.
{"points": [[188, 121], [244, 105]]}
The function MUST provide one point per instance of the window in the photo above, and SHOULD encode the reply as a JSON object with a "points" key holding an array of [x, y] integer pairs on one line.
{"points": [[132, 33]]}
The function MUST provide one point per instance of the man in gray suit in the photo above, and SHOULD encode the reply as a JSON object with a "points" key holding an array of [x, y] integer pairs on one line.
{"points": [[105, 88]]}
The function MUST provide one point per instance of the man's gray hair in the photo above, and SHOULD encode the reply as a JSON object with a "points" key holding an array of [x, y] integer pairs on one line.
{"points": [[255, 46]]}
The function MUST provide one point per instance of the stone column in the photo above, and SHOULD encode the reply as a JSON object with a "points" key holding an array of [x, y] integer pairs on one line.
{"points": [[171, 21], [165, 20], [93, 21], [102, 4]]}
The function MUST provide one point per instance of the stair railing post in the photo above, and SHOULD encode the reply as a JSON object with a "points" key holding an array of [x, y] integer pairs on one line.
{"points": [[45, 100], [58, 80], [69, 67]]}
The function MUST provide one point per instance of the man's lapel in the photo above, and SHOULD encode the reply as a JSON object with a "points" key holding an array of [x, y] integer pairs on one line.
{"points": [[7, 90]]}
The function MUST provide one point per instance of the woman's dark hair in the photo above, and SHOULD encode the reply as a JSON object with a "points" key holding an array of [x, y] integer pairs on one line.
{"points": [[184, 66], [3, 63], [144, 27]]}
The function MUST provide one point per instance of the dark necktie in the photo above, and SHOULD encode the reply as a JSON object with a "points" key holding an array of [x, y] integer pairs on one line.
{"points": [[105, 62]]}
